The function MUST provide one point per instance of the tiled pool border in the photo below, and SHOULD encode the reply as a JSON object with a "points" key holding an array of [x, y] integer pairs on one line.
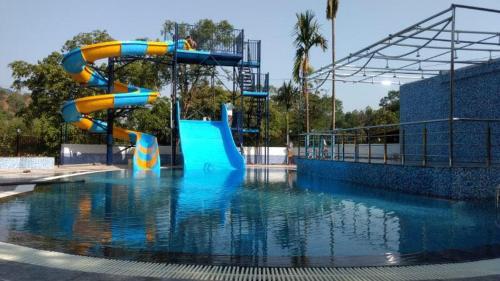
{"points": [[459, 183]]}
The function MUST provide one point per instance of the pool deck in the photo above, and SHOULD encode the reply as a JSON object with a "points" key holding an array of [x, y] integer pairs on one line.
{"points": [[23, 263], [15, 182]]}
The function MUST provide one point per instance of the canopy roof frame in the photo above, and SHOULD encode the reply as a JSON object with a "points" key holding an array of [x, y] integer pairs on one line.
{"points": [[425, 49]]}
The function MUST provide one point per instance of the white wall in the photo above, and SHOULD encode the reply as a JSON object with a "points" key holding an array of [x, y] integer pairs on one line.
{"points": [[94, 153]]}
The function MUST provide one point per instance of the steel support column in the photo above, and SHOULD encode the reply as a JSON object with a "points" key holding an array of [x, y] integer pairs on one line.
{"points": [[452, 88], [110, 113]]}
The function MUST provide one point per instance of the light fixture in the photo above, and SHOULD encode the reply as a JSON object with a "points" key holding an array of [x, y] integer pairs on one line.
{"points": [[422, 75], [458, 38], [418, 53], [364, 72], [394, 75], [386, 82], [386, 63], [420, 65], [456, 55]]}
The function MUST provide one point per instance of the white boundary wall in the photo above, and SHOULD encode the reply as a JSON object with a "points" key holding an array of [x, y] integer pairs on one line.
{"points": [[96, 153]]}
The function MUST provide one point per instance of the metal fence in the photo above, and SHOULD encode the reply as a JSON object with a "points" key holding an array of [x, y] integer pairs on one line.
{"points": [[257, 83], [209, 39], [469, 142], [24, 145], [251, 51]]}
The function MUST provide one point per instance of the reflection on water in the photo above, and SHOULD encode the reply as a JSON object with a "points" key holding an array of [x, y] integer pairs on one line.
{"points": [[265, 217]]}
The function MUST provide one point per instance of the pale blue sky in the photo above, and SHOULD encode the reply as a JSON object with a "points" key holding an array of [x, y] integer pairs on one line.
{"points": [[31, 29]]}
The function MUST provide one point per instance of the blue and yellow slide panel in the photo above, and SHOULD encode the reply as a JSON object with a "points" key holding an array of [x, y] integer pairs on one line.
{"points": [[76, 63]]}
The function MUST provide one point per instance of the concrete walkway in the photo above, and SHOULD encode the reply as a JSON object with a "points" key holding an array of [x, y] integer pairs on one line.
{"points": [[15, 256], [16, 181], [18, 175]]}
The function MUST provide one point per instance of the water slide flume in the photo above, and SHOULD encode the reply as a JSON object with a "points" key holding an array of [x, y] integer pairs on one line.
{"points": [[77, 64], [209, 145]]}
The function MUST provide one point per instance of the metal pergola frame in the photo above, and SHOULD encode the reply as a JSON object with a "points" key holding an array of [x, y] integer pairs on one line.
{"points": [[428, 48]]}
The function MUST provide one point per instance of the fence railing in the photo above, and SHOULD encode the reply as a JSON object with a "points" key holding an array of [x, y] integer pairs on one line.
{"points": [[25, 145], [21, 144], [224, 41], [251, 52], [259, 83], [469, 142]]}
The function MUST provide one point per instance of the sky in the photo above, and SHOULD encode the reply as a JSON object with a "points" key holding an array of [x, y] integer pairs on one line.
{"points": [[32, 29]]}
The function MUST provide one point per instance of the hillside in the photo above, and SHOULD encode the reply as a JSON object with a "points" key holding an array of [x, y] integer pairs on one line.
{"points": [[12, 102]]}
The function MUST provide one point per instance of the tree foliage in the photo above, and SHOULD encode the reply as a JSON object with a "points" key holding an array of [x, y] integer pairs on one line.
{"points": [[46, 86], [307, 35]]}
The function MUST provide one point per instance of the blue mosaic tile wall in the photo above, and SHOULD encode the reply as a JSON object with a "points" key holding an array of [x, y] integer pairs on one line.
{"points": [[452, 183], [477, 95]]}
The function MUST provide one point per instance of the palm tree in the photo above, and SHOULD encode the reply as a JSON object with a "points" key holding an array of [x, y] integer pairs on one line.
{"points": [[307, 35], [287, 96], [331, 13]]}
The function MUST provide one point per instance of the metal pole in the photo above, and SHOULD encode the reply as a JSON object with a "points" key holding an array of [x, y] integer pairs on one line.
{"points": [[402, 147], [267, 127], [332, 143], [368, 138], [313, 147], [298, 152], [111, 114], [452, 89], [385, 145], [424, 147], [333, 74], [212, 82], [488, 146], [356, 146], [17, 141], [234, 87], [306, 146], [343, 146], [173, 97]]}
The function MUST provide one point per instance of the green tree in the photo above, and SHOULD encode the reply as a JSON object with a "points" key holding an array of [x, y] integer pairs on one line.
{"points": [[391, 102], [86, 38], [331, 14], [49, 87], [307, 35], [388, 113], [288, 95], [155, 120], [16, 103], [194, 84]]}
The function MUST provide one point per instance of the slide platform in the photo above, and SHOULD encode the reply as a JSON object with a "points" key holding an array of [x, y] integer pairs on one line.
{"points": [[209, 145]]}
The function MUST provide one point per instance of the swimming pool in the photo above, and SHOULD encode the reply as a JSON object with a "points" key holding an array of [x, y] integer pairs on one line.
{"points": [[267, 217]]}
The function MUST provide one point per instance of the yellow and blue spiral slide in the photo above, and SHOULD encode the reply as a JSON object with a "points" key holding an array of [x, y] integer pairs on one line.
{"points": [[76, 63]]}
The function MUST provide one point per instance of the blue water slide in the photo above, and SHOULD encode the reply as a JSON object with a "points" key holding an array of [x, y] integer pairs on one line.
{"points": [[209, 145]]}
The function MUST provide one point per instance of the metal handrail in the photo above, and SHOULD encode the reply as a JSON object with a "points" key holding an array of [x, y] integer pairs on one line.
{"points": [[401, 124], [414, 144]]}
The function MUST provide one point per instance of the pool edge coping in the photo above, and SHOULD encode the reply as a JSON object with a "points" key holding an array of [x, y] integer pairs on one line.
{"points": [[21, 254], [21, 189]]}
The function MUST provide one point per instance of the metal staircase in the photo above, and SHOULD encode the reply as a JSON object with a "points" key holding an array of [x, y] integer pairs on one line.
{"points": [[253, 109]]}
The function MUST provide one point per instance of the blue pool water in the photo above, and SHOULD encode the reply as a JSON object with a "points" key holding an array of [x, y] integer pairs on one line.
{"points": [[261, 217]]}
